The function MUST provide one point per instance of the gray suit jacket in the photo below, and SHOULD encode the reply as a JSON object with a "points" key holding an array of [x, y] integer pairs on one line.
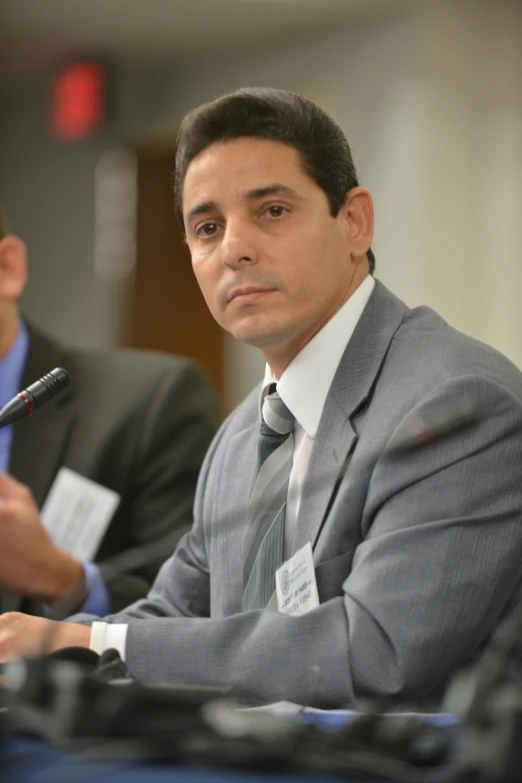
{"points": [[418, 557], [137, 422]]}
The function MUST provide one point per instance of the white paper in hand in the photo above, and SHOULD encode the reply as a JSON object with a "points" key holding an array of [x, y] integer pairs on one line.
{"points": [[77, 512]]}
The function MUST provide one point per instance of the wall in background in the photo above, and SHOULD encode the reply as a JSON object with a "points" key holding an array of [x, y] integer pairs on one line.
{"points": [[49, 193], [49, 189]]}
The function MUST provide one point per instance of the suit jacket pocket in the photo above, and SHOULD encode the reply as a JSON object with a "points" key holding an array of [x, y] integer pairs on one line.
{"points": [[330, 575]]}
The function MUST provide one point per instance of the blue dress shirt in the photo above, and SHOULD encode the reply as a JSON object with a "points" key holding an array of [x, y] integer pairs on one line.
{"points": [[11, 371], [12, 365]]}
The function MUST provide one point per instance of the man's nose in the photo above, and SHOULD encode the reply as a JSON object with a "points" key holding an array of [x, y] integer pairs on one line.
{"points": [[238, 246]]}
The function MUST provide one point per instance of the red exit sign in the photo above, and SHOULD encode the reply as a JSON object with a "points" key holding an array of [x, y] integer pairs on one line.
{"points": [[78, 99]]}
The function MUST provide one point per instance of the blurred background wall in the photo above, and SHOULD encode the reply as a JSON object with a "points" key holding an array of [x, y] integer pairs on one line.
{"points": [[428, 93]]}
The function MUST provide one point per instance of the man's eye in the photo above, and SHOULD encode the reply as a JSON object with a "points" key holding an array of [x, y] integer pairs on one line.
{"points": [[276, 211], [207, 230]]}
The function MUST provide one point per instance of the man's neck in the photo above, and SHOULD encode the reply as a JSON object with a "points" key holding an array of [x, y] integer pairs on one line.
{"points": [[278, 358]]}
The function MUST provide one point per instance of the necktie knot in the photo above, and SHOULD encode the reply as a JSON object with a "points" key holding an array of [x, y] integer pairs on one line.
{"points": [[276, 424], [275, 414]]}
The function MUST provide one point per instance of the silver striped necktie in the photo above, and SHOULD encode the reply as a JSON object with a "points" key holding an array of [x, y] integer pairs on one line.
{"points": [[268, 501]]}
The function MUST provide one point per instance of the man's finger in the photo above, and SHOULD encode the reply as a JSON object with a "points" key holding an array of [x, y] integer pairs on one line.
{"points": [[10, 487]]}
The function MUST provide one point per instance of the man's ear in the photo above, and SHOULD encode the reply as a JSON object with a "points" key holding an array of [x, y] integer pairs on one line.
{"points": [[13, 267], [358, 213]]}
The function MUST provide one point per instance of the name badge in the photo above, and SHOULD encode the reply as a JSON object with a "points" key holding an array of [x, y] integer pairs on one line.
{"points": [[296, 586], [76, 513]]}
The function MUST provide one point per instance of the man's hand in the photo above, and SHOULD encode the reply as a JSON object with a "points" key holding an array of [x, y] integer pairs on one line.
{"points": [[29, 562], [25, 636]]}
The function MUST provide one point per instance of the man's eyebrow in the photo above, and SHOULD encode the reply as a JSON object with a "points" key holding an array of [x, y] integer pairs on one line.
{"points": [[271, 190], [201, 209], [252, 195]]}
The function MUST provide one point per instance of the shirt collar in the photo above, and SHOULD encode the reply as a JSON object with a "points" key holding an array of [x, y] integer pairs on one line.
{"points": [[305, 383]]}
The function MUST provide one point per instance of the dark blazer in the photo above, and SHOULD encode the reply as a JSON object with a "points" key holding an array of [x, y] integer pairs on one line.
{"points": [[134, 421]]}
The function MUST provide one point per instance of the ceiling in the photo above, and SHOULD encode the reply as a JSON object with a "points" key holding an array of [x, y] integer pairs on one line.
{"points": [[34, 33]]}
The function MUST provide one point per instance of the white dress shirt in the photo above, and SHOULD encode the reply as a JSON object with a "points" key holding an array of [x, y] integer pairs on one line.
{"points": [[303, 387]]}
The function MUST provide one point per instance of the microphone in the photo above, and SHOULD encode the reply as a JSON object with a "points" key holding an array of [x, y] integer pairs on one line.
{"points": [[26, 402]]}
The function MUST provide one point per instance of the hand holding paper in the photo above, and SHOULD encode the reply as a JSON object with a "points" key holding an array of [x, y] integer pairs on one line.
{"points": [[30, 562]]}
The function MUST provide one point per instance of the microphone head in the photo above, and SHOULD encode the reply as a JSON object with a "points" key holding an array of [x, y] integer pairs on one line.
{"points": [[49, 386], [61, 377], [26, 402]]}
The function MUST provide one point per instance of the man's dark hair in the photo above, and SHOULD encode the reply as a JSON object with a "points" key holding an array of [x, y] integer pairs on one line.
{"points": [[277, 115]]}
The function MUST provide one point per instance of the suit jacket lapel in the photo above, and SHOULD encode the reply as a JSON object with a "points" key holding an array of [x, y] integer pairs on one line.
{"points": [[336, 437], [39, 441]]}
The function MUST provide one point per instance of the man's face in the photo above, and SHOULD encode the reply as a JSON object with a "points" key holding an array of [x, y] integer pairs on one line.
{"points": [[271, 261]]}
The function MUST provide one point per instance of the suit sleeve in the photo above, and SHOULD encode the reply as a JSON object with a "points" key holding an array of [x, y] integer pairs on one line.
{"points": [[439, 565], [178, 426]]}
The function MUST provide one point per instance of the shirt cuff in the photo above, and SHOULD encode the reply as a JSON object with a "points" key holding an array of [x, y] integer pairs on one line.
{"points": [[108, 636], [98, 601]]}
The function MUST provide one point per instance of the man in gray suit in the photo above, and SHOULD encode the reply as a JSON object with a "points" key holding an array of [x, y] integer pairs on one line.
{"points": [[135, 422], [393, 568]]}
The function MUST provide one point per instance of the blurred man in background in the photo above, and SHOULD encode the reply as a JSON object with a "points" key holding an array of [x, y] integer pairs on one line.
{"points": [[324, 542], [133, 422]]}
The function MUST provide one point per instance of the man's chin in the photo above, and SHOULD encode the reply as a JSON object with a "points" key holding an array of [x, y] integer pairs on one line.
{"points": [[257, 338]]}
